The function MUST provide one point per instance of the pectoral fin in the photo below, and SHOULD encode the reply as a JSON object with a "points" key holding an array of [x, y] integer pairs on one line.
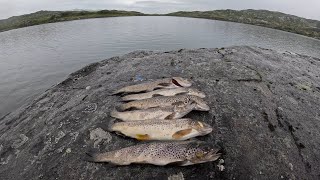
{"points": [[177, 163], [142, 137], [181, 133], [176, 83], [171, 116]]}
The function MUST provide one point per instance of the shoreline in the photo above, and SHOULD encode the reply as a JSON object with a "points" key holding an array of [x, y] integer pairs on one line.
{"points": [[46, 17]]}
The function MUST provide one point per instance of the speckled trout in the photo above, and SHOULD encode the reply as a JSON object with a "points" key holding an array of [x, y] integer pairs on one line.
{"points": [[156, 129], [181, 153], [172, 112], [157, 84], [164, 92], [165, 101]]}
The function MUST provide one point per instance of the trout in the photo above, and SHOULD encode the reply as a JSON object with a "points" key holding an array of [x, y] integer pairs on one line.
{"points": [[164, 92], [181, 153], [174, 112], [165, 83], [165, 101], [156, 129]]}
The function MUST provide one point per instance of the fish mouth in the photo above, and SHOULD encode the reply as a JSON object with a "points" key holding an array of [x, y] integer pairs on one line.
{"points": [[201, 95], [202, 107], [213, 154], [206, 130], [180, 82]]}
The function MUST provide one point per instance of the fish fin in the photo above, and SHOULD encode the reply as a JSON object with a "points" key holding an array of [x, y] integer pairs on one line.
{"points": [[120, 134], [164, 84], [175, 82], [114, 113], [91, 156], [171, 116], [181, 133], [116, 92], [142, 137], [177, 163], [156, 95], [125, 98], [123, 107], [111, 122]]}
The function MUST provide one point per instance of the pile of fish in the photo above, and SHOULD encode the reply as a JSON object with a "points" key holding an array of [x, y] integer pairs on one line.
{"points": [[154, 111]]}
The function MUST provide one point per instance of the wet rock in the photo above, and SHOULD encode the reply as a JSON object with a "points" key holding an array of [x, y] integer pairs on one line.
{"points": [[20, 141], [264, 109], [176, 177]]}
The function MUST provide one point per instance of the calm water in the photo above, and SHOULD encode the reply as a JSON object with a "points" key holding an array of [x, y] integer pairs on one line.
{"points": [[35, 58]]}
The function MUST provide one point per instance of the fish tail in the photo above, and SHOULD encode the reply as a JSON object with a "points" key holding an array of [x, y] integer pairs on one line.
{"points": [[110, 125], [116, 92], [115, 114], [123, 107], [96, 157], [126, 98]]}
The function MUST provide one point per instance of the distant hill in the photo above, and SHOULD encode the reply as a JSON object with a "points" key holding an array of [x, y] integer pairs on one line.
{"points": [[42, 17], [271, 19]]}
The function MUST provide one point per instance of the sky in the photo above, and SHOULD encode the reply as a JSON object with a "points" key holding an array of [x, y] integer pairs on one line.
{"points": [[304, 8]]}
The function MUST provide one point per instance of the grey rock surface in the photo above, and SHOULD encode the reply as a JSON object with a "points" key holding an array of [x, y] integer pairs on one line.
{"points": [[265, 108]]}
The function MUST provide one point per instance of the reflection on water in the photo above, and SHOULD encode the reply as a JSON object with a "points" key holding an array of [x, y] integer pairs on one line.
{"points": [[33, 59]]}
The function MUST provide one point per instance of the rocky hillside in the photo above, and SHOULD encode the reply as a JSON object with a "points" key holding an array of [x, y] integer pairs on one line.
{"points": [[271, 19], [42, 17], [264, 110]]}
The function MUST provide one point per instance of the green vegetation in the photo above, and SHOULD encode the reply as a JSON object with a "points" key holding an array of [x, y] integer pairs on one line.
{"points": [[271, 19], [42, 17]]}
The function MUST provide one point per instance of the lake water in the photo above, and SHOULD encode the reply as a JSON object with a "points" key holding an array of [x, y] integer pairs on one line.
{"points": [[33, 59]]}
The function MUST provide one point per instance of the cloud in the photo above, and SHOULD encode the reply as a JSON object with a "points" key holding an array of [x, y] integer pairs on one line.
{"points": [[306, 8]]}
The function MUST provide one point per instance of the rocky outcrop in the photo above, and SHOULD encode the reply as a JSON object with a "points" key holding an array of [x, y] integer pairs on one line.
{"points": [[264, 108]]}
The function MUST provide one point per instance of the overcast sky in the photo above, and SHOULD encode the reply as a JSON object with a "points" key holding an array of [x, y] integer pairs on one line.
{"points": [[304, 8]]}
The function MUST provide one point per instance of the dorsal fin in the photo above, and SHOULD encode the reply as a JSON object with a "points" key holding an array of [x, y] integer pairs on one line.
{"points": [[171, 116]]}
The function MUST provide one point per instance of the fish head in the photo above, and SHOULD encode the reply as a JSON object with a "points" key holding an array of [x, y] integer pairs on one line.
{"points": [[202, 127], [181, 82], [195, 92], [202, 152], [201, 105]]}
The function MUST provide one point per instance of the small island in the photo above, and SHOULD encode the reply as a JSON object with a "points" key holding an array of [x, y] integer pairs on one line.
{"points": [[270, 19]]}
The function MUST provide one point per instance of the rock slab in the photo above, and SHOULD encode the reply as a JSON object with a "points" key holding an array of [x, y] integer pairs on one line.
{"points": [[265, 109]]}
